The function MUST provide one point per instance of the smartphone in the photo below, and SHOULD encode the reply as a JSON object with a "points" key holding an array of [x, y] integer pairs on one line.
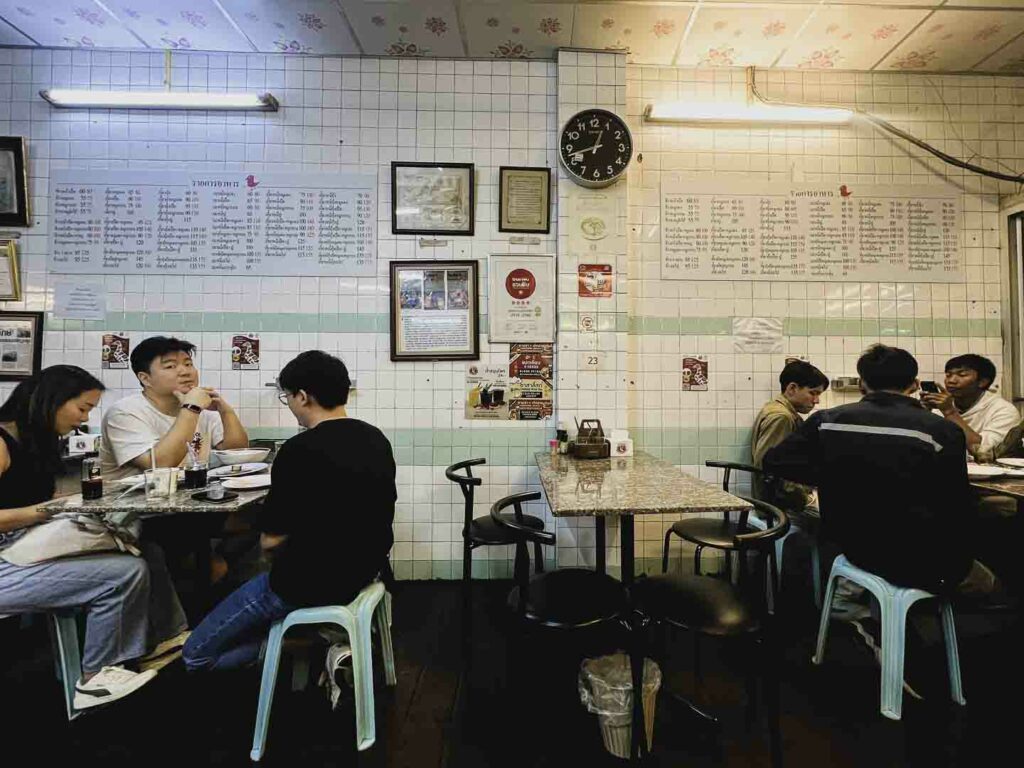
{"points": [[930, 387]]}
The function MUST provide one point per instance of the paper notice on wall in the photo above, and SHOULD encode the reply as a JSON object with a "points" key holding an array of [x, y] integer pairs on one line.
{"points": [[487, 391], [77, 300], [757, 334], [593, 221], [695, 375], [245, 352], [595, 280], [116, 351], [530, 373]]}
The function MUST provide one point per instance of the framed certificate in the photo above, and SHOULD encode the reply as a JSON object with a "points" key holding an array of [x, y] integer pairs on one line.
{"points": [[432, 198], [434, 310], [10, 282], [524, 199], [13, 183], [521, 296], [21, 345]]}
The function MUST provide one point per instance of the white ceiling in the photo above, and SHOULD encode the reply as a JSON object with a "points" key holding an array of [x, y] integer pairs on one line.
{"points": [[917, 35]]}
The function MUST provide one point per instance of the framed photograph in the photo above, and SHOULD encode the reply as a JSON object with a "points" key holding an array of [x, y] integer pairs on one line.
{"points": [[21, 344], [432, 198], [10, 280], [524, 199], [13, 183], [434, 310], [521, 295]]}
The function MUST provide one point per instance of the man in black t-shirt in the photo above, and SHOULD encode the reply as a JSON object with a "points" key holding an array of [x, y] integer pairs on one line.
{"points": [[326, 523]]}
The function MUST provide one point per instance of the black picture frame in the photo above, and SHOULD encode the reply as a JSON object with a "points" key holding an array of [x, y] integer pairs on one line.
{"points": [[410, 298], [14, 201], [12, 338], [400, 187], [503, 171]]}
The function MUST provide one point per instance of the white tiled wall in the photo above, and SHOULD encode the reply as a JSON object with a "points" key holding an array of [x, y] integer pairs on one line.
{"points": [[359, 114]]}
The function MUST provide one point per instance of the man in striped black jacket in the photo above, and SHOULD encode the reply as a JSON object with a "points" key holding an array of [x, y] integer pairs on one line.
{"points": [[892, 480]]}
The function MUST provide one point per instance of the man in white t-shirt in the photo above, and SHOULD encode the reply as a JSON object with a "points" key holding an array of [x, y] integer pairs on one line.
{"points": [[171, 412], [984, 417]]}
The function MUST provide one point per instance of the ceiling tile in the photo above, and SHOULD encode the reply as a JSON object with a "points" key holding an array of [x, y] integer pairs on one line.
{"points": [[507, 31], [988, 3], [10, 36], [850, 37], [67, 23], [748, 36], [1007, 59], [179, 24], [406, 28], [293, 26], [955, 40], [651, 32]]}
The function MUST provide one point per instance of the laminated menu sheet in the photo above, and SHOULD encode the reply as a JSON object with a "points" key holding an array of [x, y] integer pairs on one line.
{"points": [[212, 223], [747, 230]]}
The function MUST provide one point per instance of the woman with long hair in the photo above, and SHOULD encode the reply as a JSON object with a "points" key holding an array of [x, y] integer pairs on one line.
{"points": [[113, 590]]}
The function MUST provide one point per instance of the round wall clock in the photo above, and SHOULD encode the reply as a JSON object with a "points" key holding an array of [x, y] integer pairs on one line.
{"points": [[595, 147]]}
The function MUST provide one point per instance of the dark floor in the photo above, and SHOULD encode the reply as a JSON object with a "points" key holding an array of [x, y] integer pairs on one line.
{"points": [[458, 705]]}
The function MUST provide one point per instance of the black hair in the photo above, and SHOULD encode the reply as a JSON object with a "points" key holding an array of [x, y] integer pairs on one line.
{"points": [[982, 366], [155, 347], [803, 374], [891, 368], [320, 375], [33, 406]]}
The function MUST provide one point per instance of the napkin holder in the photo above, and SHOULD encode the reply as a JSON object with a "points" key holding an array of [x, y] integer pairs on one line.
{"points": [[590, 441]]}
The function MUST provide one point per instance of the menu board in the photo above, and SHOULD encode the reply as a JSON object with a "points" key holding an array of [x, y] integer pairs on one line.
{"points": [[743, 230], [212, 223]]}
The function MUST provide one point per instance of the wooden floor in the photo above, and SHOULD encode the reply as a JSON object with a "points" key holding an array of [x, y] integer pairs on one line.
{"points": [[458, 705]]}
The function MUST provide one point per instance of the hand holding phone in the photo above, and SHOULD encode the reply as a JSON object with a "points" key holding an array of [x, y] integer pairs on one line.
{"points": [[930, 387]]}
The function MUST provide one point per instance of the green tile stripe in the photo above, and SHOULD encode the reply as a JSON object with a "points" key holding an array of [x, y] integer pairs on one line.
{"points": [[621, 322]]}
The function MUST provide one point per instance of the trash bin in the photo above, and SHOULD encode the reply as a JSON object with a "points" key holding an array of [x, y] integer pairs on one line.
{"points": [[606, 689]]}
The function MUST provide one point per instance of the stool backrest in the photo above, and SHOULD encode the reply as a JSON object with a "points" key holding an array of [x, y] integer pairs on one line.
{"points": [[466, 484]]}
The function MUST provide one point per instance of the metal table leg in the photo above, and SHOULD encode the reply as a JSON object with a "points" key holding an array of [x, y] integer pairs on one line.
{"points": [[599, 543]]}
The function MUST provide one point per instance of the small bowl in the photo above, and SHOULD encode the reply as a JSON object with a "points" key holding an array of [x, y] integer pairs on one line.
{"points": [[242, 455]]}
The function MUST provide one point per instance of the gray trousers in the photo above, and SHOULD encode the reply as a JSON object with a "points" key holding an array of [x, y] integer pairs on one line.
{"points": [[129, 602]]}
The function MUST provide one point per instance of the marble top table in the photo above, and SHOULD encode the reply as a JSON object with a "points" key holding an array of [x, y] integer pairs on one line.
{"points": [[136, 506], [625, 487]]}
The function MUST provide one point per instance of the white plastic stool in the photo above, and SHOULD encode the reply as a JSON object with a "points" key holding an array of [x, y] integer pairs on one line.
{"points": [[895, 602], [756, 522], [355, 618]]}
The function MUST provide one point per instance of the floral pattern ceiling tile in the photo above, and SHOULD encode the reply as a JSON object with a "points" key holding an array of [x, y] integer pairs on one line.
{"points": [[67, 24], [406, 28], [1009, 59], [955, 40], [179, 24], [534, 31], [725, 36], [851, 37], [10, 36], [293, 26], [650, 32]]}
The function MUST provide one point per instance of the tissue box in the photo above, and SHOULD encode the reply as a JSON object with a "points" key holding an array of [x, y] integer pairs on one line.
{"points": [[79, 444], [622, 447]]}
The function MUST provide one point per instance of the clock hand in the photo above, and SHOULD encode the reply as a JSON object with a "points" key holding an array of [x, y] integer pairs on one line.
{"points": [[592, 149], [597, 144]]}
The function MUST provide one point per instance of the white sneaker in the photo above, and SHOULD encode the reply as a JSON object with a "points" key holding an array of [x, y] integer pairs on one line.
{"points": [[171, 644], [109, 684], [337, 655]]}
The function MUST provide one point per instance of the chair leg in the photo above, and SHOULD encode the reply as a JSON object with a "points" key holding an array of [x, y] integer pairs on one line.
{"points": [[664, 552], [815, 573], [772, 704], [65, 635], [467, 564], [300, 672], [383, 618], [894, 627], [270, 664], [952, 654], [696, 560], [826, 610], [538, 557], [362, 678]]}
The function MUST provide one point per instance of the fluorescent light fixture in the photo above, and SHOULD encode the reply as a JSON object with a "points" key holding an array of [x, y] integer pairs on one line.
{"points": [[66, 98], [760, 112]]}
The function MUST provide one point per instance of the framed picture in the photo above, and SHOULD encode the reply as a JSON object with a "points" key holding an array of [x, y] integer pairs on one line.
{"points": [[524, 199], [521, 296], [13, 183], [21, 344], [434, 310], [432, 198], [10, 281]]}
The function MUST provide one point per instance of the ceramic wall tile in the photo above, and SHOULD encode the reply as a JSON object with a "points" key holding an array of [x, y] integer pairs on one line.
{"points": [[504, 31], [410, 28], [67, 24], [650, 32], [727, 36], [955, 40], [293, 26]]}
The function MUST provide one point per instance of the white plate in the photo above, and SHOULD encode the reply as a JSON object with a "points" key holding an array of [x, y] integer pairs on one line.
{"points": [[984, 470], [1011, 462], [244, 469], [248, 483]]}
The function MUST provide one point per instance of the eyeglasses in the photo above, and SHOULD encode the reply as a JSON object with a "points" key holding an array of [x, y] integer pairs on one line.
{"points": [[282, 396]]}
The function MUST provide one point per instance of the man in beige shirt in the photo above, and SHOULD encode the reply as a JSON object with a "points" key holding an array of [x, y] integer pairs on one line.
{"points": [[801, 386]]}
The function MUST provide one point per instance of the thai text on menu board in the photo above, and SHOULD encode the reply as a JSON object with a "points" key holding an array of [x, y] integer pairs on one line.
{"points": [[745, 230], [155, 222]]}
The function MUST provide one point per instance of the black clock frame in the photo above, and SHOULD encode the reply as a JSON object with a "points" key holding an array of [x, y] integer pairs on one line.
{"points": [[567, 163]]}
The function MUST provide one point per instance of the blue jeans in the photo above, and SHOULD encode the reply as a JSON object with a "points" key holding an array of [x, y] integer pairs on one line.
{"points": [[231, 635]]}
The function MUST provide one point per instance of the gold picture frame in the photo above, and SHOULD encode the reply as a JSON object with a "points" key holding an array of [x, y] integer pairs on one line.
{"points": [[10, 278]]}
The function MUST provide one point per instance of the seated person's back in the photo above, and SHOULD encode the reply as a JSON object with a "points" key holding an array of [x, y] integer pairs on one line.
{"points": [[333, 495], [891, 478]]}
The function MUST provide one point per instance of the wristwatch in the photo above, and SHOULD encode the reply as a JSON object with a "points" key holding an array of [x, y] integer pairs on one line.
{"points": [[192, 407]]}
